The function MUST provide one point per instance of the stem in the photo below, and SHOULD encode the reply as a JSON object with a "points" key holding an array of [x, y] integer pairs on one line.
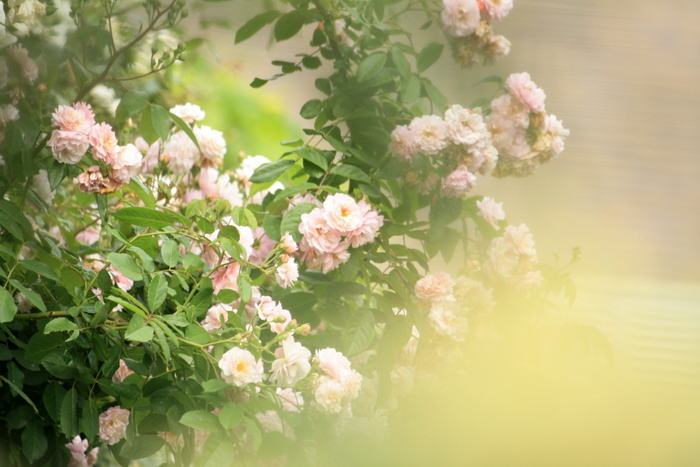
{"points": [[47, 314], [329, 27]]}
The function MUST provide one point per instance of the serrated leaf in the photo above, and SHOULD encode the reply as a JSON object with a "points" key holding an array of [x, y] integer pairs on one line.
{"points": [[170, 252], [60, 324], [435, 95], [428, 56], [201, 420], [143, 192], [142, 446], [401, 63], [40, 268], [138, 331], [350, 171], [358, 332], [40, 345], [146, 128], [126, 265], [8, 308], [231, 415], [244, 289], [34, 443], [32, 296], [89, 421], [271, 171], [56, 365], [371, 66], [52, 398], [160, 118], [145, 217], [157, 291], [255, 24], [69, 414]]}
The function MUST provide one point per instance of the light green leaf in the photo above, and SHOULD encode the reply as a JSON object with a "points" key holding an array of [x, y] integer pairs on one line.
{"points": [[314, 156], [215, 385], [60, 324], [201, 420], [143, 192], [402, 65], [160, 118], [157, 291], [359, 332], [40, 268], [231, 415], [311, 109], [170, 252], [291, 220], [255, 24], [138, 331], [131, 103], [8, 308], [429, 55], [350, 171], [271, 171], [126, 265], [33, 297], [371, 66], [144, 217]]}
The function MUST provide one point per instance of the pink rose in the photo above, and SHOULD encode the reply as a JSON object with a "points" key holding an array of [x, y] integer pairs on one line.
{"points": [[433, 286], [458, 182], [113, 423], [226, 277], [526, 91], [104, 143], [68, 146], [460, 17], [370, 223], [342, 213], [317, 232]]}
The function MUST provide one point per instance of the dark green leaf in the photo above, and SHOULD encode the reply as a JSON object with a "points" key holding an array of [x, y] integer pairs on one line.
{"points": [[255, 24], [40, 345], [271, 171], [311, 109], [58, 367], [89, 422], [69, 414], [371, 66], [314, 156], [142, 446], [323, 85], [40, 268], [311, 62], [8, 308], [359, 331], [32, 296], [288, 25], [201, 420], [145, 217], [350, 171], [132, 103], [186, 128], [52, 398], [157, 291], [34, 442]]}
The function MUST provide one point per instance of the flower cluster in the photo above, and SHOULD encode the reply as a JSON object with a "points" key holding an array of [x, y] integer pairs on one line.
{"points": [[338, 384], [329, 231], [468, 25], [523, 133], [81, 458], [458, 146], [513, 258]]}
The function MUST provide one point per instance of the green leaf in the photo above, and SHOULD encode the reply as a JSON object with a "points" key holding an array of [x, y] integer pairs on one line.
{"points": [[146, 128], [33, 297], [359, 332], [323, 85], [271, 171], [40, 345], [222, 455], [143, 192], [40, 268], [231, 415], [197, 334], [170, 252], [186, 128], [311, 109], [60, 324], [298, 301], [157, 291], [410, 89], [227, 296], [254, 432], [160, 118], [138, 331], [132, 103], [52, 398], [290, 222], [214, 385], [34, 443], [350, 171], [429, 55], [288, 25], [371, 66], [314, 156], [201, 420], [145, 217], [126, 265], [126, 390], [401, 63], [89, 422], [344, 289], [69, 414], [56, 173], [142, 446], [20, 393], [57, 366], [435, 95], [200, 304], [8, 308], [271, 225], [255, 24], [311, 62], [244, 289], [162, 340], [491, 79]]}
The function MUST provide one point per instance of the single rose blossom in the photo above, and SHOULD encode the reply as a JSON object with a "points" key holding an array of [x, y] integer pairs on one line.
{"points": [[212, 144], [127, 156], [288, 243], [292, 364], [342, 213], [495, 10], [329, 394], [370, 223], [212, 322], [317, 232], [460, 17], [526, 91], [238, 367], [332, 362], [180, 152], [189, 113], [78, 447], [68, 147], [104, 143], [432, 287], [287, 274], [491, 211], [113, 423], [403, 143], [430, 134], [122, 372], [226, 277], [292, 401], [78, 118], [464, 126], [458, 182]]}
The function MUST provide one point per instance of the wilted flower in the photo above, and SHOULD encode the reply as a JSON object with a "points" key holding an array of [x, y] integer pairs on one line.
{"points": [[122, 372]]}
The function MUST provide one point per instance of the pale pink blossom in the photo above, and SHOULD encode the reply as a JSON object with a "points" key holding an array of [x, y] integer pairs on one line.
{"points": [[403, 143], [342, 213], [287, 273], [238, 367], [104, 143], [267, 308], [212, 322], [458, 182], [332, 362], [189, 113], [460, 17], [68, 147], [180, 152], [446, 320], [248, 167], [122, 372], [370, 223], [152, 155], [521, 239], [526, 91], [78, 117], [127, 156], [332, 259], [30, 71], [78, 447], [191, 195], [430, 133], [288, 243], [464, 126], [89, 235], [329, 394], [119, 279], [555, 132], [292, 364], [226, 277], [317, 232], [495, 10], [212, 144], [292, 401], [279, 324], [270, 421], [507, 110], [491, 211], [8, 113], [432, 287], [113, 424]]}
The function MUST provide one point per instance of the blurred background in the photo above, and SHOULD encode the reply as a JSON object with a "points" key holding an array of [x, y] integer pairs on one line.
{"points": [[624, 76]]}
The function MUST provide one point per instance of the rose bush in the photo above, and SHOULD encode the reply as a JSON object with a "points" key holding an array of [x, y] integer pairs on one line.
{"points": [[153, 302]]}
